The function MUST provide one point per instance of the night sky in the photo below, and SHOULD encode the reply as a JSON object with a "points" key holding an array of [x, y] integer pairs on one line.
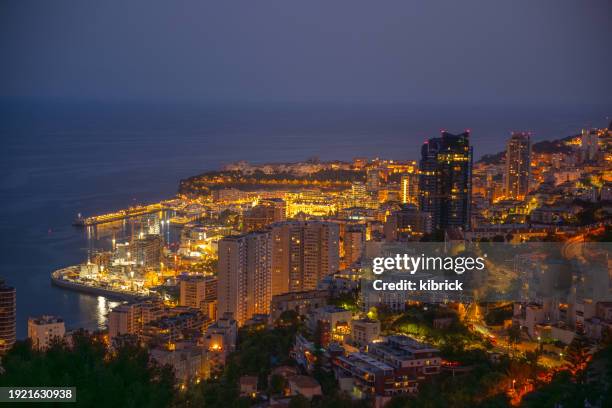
{"points": [[544, 52]]}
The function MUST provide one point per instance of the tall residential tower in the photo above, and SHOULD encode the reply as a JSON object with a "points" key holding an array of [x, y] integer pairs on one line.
{"points": [[303, 252], [245, 280], [8, 301], [410, 188], [518, 160], [445, 182]]}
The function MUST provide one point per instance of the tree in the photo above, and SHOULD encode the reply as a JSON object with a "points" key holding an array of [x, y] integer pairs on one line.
{"points": [[514, 335], [532, 361], [577, 351], [124, 378], [288, 318], [277, 384], [299, 401]]}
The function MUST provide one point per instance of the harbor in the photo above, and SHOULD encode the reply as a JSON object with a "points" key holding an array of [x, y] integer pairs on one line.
{"points": [[184, 211]]}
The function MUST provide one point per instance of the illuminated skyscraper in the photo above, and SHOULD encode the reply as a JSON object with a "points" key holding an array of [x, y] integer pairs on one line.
{"points": [[410, 188], [8, 299], [303, 252], [244, 280], [518, 160], [445, 180]]}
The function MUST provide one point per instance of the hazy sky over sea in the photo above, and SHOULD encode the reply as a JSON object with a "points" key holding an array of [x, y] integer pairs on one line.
{"points": [[424, 51]]}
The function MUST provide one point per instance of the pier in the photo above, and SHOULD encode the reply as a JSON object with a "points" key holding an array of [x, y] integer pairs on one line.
{"points": [[118, 216]]}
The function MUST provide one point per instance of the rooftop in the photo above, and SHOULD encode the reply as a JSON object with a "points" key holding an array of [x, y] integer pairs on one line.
{"points": [[45, 319], [403, 346], [366, 363]]}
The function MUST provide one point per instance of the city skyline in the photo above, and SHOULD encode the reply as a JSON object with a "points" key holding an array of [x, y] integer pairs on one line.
{"points": [[314, 204], [264, 248]]}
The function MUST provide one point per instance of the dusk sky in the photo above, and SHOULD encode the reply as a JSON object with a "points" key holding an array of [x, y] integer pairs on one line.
{"points": [[471, 51]]}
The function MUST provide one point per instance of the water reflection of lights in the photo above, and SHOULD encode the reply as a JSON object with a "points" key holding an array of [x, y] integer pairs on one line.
{"points": [[104, 306]]}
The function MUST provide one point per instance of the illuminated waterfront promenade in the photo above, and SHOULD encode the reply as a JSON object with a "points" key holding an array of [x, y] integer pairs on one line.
{"points": [[68, 278]]}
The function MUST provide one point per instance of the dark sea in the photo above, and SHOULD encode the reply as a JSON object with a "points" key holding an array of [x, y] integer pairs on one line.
{"points": [[58, 159]]}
